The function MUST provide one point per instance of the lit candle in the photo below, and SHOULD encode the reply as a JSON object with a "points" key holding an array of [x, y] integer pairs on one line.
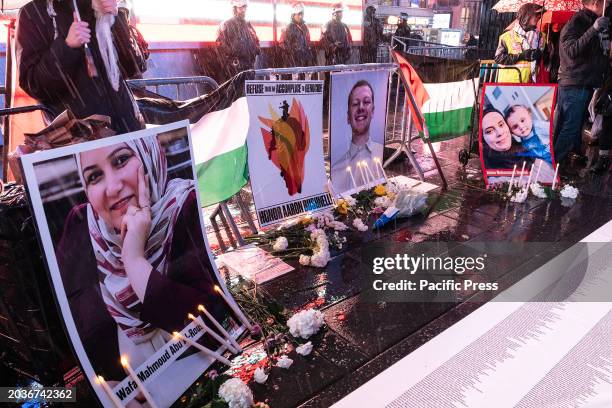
{"points": [[383, 171], [378, 175], [530, 176], [213, 334], [352, 178], [236, 309], [220, 327], [205, 350], [362, 172], [140, 385], [511, 180], [555, 178], [538, 173], [107, 389], [374, 179], [520, 182]]}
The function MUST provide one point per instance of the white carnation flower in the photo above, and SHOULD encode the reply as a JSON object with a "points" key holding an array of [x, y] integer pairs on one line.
{"points": [[349, 200], [359, 225], [538, 191], [260, 375], [569, 191], [304, 260], [304, 349], [284, 362], [383, 202], [236, 393], [305, 323], [519, 197], [280, 244], [320, 259]]}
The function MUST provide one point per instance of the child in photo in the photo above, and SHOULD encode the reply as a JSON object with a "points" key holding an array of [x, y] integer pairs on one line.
{"points": [[528, 131]]}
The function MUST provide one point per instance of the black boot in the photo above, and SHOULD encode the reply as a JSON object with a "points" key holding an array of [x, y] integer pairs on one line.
{"points": [[602, 165]]}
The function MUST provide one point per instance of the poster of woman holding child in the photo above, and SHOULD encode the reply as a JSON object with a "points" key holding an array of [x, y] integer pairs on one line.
{"points": [[516, 128]]}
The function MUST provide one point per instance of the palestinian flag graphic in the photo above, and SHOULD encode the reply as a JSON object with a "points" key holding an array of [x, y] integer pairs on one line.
{"points": [[450, 86]]}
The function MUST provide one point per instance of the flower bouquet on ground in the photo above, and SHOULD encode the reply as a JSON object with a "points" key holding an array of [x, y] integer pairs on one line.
{"points": [[311, 238]]}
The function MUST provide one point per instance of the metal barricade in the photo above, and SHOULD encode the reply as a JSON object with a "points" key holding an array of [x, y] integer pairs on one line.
{"points": [[430, 49], [201, 84]]}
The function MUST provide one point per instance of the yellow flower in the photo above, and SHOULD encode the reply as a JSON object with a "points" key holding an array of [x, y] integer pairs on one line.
{"points": [[342, 207], [307, 220], [380, 190]]}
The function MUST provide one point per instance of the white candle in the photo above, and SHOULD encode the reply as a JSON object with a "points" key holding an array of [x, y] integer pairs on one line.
{"points": [[141, 387], [555, 178], [111, 394], [362, 172], [538, 173], [378, 175], [213, 334], [511, 180], [220, 327], [383, 172], [530, 176], [520, 182], [352, 178], [200, 347], [236, 309], [374, 179], [330, 188]]}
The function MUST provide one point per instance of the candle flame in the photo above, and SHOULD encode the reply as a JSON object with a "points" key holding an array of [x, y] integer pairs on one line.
{"points": [[217, 288], [124, 361], [190, 316], [176, 334], [201, 308], [99, 379], [348, 168]]}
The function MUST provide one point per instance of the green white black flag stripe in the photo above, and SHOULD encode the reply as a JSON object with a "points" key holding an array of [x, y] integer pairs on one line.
{"points": [[451, 85]]}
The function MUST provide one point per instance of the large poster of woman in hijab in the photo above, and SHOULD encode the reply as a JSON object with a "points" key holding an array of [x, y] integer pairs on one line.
{"points": [[516, 130], [120, 224]]}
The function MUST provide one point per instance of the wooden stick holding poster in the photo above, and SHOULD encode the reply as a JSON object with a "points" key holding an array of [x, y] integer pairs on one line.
{"points": [[515, 127], [74, 247]]}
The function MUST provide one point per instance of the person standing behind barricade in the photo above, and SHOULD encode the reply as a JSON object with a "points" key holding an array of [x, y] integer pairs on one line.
{"points": [[336, 38], [52, 64], [295, 40], [402, 32], [520, 45], [372, 36], [583, 67], [237, 41]]}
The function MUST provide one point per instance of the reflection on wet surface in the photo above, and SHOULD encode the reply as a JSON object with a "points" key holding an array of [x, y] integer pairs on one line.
{"points": [[363, 338]]}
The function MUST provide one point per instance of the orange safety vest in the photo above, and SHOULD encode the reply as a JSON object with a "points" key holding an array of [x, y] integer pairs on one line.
{"points": [[513, 42]]}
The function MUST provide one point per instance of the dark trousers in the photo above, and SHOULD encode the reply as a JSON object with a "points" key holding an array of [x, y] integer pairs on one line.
{"points": [[605, 136], [572, 104]]}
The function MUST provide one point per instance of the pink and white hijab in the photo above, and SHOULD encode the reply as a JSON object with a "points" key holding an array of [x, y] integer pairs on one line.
{"points": [[167, 199]]}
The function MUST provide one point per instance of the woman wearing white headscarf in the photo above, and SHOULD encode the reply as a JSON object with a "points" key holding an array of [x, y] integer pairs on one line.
{"points": [[133, 260]]}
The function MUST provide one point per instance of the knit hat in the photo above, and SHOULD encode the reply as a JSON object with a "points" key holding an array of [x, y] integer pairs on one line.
{"points": [[239, 3]]}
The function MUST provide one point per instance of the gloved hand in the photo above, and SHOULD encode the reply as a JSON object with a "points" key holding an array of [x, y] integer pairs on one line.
{"points": [[601, 24], [530, 55]]}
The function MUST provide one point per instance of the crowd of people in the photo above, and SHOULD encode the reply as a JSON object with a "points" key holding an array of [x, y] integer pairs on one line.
{"points": [[577, 57], [53, 45]]}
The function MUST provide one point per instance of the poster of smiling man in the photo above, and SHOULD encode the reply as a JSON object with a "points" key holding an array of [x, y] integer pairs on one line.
{"points": [[285, 144], [357, 130], [120, 224], [516, 129]]}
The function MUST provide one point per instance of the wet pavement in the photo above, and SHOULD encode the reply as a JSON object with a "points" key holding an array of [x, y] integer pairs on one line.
{"points": [[362, 338]]}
